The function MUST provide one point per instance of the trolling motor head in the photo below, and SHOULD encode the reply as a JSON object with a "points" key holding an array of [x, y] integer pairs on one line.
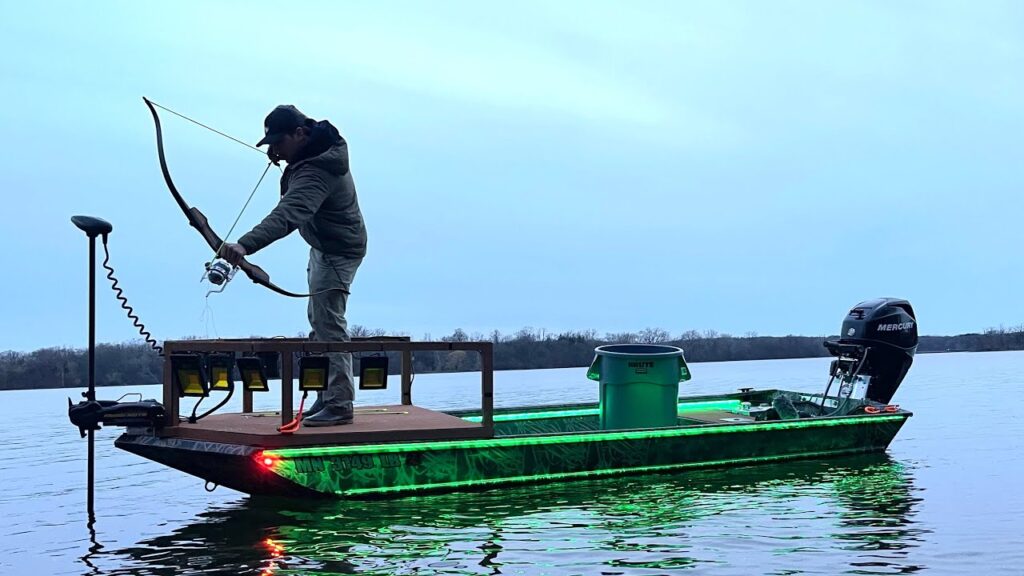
{"points": [[92, 226], [875, 349]]}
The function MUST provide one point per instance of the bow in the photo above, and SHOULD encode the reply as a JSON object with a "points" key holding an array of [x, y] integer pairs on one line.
{"points": [[198, 220]]}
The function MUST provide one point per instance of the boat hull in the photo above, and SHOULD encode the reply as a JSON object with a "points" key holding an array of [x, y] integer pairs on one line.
{"points": [[396, 469]]}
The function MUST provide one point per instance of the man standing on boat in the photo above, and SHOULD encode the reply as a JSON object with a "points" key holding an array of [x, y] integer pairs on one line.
{"points": [[318, 198]]}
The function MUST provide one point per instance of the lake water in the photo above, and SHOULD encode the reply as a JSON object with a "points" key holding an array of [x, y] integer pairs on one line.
{"points": [[945, 499]]}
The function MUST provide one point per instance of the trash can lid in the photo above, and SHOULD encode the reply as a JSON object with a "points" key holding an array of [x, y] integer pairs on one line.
{"points": [[629, 350]]}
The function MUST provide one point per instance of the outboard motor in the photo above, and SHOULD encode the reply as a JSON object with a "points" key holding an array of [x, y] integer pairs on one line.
{"points": [[875, 349]]}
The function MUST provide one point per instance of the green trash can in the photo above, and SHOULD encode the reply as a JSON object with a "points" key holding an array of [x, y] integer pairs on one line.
{"points": [[639, 384]]}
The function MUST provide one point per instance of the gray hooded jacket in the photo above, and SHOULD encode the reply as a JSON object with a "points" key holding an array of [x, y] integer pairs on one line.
{"points": [[318, 197]]}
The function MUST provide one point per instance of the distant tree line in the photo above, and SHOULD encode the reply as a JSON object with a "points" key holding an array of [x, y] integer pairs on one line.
{"points": [[135, 363]]}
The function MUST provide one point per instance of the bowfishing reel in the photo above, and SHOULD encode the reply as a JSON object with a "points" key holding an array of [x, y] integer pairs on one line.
{"points": [[219, 273]]}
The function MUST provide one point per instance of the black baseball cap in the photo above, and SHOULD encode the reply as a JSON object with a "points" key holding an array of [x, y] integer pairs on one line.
{"points": [[282, 120]]}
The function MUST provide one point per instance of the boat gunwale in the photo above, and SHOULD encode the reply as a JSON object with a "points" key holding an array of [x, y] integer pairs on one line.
{"points": [[738, 396], [590, 436]]}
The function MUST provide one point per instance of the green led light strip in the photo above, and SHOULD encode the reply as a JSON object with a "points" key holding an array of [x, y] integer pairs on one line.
{"points": [[593, 473], [681, 409], [511, 441]]}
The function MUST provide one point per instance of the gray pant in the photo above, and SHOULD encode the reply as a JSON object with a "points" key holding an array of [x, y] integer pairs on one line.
{"points": [[327, 319]]}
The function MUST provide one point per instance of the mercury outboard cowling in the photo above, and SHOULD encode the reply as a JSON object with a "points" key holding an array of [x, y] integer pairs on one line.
{"points": [[876, 347]]}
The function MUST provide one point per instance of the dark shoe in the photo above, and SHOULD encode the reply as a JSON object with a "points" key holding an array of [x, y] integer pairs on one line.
{"points": [[316, 407], [328, 417]]}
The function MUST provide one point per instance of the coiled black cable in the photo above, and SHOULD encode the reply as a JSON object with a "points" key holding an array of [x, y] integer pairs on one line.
{"points": [[119, 293]]}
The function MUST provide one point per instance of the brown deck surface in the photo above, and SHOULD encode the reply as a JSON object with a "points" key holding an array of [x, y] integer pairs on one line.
{"points": [[371, 424]]}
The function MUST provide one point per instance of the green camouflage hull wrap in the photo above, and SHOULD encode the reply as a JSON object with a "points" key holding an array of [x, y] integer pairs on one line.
{"points": [[550, 454], [530, 444]]}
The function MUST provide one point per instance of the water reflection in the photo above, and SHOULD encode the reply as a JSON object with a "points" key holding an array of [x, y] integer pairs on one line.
{"points": [[765, 518], [876, 520], [94, 549]]}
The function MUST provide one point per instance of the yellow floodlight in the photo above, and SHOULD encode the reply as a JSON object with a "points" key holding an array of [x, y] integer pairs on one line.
{"points": [[187, 373], [314, 372], [373, 373], [254, 379], [221, 368]]}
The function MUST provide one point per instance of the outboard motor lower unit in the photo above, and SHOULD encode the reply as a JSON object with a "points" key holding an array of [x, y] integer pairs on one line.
{"points": [[875, 349]]}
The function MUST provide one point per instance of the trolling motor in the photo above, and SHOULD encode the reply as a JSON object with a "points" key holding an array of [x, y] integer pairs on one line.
{"points": [[874, 351], [90, 415]]}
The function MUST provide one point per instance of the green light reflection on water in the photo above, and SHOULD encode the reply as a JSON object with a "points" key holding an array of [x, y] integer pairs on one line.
{"points": [[819, 515]]}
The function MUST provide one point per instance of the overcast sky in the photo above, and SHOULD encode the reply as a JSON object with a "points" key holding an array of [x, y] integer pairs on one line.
{"points": [[736, 166]]}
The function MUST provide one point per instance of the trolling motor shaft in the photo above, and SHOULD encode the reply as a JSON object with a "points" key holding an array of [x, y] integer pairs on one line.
{"points": [[92, 227]]}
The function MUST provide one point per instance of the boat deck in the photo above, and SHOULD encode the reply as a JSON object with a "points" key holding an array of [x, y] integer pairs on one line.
{"points": [[392, 423], [717, 417]]}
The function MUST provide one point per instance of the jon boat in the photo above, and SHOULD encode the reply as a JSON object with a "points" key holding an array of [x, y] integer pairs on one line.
{"points": [[640, 425]]}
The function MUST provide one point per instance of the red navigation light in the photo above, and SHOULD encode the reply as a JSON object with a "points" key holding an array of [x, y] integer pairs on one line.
{"points": [[267, 460]]}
